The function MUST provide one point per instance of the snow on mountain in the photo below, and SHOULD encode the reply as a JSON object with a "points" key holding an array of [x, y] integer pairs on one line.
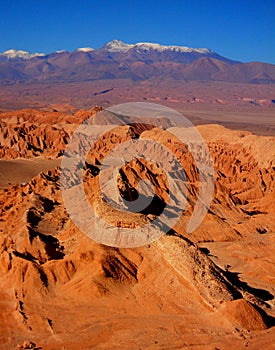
{"points": [[112, 46], [20, 54], [60, 51], [85, 49], [120, 46], [117, 46], [161, 48]]}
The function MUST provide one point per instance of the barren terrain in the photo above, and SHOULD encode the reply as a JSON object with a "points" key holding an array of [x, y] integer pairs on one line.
{"points": [[239, 106], [212, 289]]}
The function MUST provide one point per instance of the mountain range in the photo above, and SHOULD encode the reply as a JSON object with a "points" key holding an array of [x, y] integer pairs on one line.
{"points": [[137, 62]]}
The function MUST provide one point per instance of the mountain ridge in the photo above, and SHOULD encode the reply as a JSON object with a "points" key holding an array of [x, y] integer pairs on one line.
{"points": [[112, 46], [137, 62]]}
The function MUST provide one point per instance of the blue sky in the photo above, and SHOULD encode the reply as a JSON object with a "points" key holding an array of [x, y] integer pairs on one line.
{"points": [[242, 30]]}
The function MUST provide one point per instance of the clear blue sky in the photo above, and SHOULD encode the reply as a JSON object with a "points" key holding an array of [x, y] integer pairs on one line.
{"points": [[238, 29]]}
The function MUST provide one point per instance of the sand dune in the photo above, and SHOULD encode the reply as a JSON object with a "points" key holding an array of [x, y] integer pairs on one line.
{"points": [[21, 171]]}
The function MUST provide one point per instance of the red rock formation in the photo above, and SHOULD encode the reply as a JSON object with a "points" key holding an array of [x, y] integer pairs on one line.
{"points": [[61, 289]]}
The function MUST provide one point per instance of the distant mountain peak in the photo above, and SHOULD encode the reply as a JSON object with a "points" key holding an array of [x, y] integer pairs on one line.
{"points": [[20, 54], [117, 46], [120, 46], [84, 49], [61, 51]]}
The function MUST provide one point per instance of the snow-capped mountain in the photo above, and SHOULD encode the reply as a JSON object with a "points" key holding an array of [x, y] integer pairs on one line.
{"points": [[18, 55], [12, 54], [117, 46], [161, 53], [60, 51], [114, 46], [85, 49], [119, 60], [120, 46]]}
